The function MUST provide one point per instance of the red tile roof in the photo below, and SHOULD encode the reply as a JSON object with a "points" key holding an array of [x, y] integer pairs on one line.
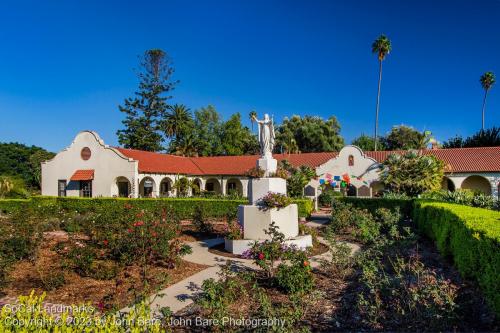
{"points": [[83, 175], [457, 160], [162, 163], [483, 159]]}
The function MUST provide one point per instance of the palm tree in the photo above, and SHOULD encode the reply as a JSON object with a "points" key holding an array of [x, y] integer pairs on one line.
{"points": [[185, 146], [487, 80], [382, 47], [176, 120]]}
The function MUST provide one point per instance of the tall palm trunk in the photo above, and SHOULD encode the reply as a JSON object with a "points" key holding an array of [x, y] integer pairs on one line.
{"points": [[484, 106], [378, 103]]}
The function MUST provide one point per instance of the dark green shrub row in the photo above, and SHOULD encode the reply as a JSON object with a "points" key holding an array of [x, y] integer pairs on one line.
{"points": [[183, 207], [372, 204], [471, 236]]}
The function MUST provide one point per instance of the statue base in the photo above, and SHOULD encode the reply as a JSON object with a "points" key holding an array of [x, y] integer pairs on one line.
{"points": [[268, 164]]}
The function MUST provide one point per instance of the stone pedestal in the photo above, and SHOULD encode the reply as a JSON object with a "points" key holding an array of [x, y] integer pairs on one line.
{"points": [[268, 164], [255, 220], [259, 187]]}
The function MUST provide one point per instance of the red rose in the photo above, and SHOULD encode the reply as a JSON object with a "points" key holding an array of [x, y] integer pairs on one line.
{"points": [[138, 223], [129, 230], [154, 234], [306, 263], [105, 242], [261, 256]]}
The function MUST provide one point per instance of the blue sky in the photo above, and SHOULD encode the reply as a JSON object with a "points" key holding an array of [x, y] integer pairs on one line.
{"points": [[66, 65]]}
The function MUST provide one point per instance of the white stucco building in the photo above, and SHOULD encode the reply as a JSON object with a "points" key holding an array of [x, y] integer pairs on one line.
{"points": [[90, 168]]}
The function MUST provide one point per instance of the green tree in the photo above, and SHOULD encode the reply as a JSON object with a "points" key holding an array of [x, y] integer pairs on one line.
{"points": [[35, 163], [208, 126], [367, 143], [487, 81], [382, 47], [412, 173], [237, 139], [311, 134], [23, 162], [483, 138], [297, 178], [145, 110], [405, 138], [178, 122]]}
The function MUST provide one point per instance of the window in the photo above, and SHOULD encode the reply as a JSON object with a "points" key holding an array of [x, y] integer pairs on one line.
{"points": [[351, 160], [86, 188], [61, 187], [148, 188], [210, 187], [85, 153]]}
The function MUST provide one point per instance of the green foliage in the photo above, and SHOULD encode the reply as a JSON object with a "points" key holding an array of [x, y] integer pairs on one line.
{"points": [[462, 197], [340, 261], [274, 200], [268, 252], [405, 138], [487, 80], [145, 111], [296, 178], [22, 162], [217, 296], [367, 143], [381, 47], [200, 220], [483, 138], [327, 196], [308, 134], [295, 276], [412, 173], [372, 204], [30, 315], [207, 129], [20, 235], [406, 294], [237, 139], [183, 207], [471, 236]]}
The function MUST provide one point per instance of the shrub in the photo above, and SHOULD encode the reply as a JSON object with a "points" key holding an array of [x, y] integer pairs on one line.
{"points": [[200, 220], [326, 197], [295, 275], [339, 262], [372, 204], [471, 236], [30, 315], [406, 294], [367, 230], [274, 200], [183, 207]]}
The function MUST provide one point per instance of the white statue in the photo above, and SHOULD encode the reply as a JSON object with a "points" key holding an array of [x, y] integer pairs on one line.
{"points": [[266, 135]]}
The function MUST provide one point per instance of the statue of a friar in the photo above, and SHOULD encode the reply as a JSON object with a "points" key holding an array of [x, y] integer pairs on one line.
{"points": [[266, 135]]}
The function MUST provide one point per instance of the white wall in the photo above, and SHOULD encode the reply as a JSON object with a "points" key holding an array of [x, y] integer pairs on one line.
{"points": [[108, 163]]}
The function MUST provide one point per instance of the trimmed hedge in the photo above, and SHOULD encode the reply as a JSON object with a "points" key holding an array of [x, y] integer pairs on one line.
{"points": [[184, 207], [372, 204], [471, 236]]}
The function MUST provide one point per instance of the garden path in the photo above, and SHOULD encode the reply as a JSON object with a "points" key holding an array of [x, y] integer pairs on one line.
{"points": [[182, 294]]}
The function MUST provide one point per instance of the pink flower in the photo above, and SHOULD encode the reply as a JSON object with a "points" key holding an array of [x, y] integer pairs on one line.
{"points": [[138, 223], [261, 256]]}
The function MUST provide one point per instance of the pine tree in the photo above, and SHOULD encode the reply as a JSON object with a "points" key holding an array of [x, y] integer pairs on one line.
{"points": [[145, 110]]}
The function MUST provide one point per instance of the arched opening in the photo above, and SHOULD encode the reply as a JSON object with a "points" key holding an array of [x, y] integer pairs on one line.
{"points": [[351, 190], [196, 186], [234, 187], [166, 187], [477, 184], [364, 191], [147, 187], [377, 188], [447, 184], [213, 186], [123, 187]]}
